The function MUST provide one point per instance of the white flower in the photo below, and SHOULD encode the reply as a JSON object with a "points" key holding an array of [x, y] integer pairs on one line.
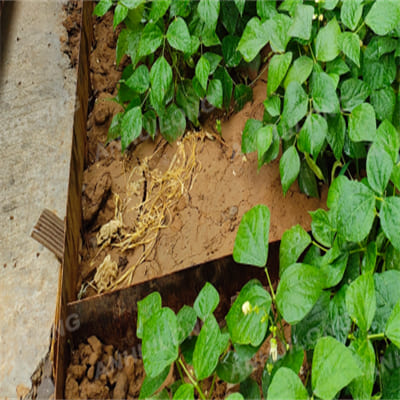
{"points": [[274, 349], [246, 307]]}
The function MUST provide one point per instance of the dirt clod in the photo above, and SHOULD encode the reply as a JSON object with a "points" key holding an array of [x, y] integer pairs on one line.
{"points": [[121, 386]]}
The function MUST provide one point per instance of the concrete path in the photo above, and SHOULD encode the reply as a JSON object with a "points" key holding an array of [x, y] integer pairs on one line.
{"points": [[37, 94]]}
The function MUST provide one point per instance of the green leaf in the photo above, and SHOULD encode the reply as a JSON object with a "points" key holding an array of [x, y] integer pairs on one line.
{"points": [[349, 44], [178, 36], [277, 69], [235, 396], [207, 349], [293, 243], [115, 127], [187, 99], [185, 391], [392, 330], [353, 93], [351, 13], [187, 349], [392, 259], [286, 385], [356, 211], [233, 369], [306, 333], [128, 43], [273, 105], [266, 9], [363, 351], [387, 295], [379, 168], [120, 13], [150, 123], [381, 73], [187, 319], [151, 40], [132, 4], [215, 93], [227, 85], [146, 308], [264, 141], [229, 50], [242, 95], [251, 243], [247, 320], [213, 59], [180, 8], [289, 168], [390, 217], [312, 135], [302, 22], [384, 16], [253, 39], [206, 301], [249, 136], [151, 385], [362, 123], [102, 7], [160, 79], [322, 228], [329, 4], [289, 6], [299, 71], [326, 42], [250, 390], [338, 322], [334, 270], [378, 46], [209, 12], [160, 342], [202, 71], [277, 29], [273, 151], [295, 104], [158, 9], [361, 301], [131, 127], [391, 373], [337, 66], [307, 181], [323, 91], [172, 123], [369, 259], [336, 134], [240, 5], [333, 366], [139, 81], [384, 103], [299, 289]]}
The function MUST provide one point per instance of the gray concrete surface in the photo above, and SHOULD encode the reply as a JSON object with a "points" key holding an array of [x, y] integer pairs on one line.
{"points": [[37, 92]]}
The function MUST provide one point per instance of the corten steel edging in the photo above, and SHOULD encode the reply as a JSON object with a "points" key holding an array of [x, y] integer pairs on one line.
{"points": [[73, 225]]}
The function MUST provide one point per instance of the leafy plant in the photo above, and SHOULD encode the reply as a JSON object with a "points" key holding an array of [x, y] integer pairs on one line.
{"points": [[333, 83], [183, 57]]}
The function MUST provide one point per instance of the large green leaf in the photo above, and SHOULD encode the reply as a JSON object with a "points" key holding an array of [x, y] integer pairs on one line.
{"points": [[131, 126], [351, 13], [202, 71], [266, 9], [120, 13], [250, 390], [323, 91], [333, 368], [151, 40], [158, 9], [227, 84], [160, 342], [384, 16], [307, 180], [295, 104], [277, 29], [187, 99], [286, 385], [139, 81], [233, 369], [206, 301], [379, 168], [353, 93], [302, 22], [209, 346], [178, 35], [392, 330], [160, 79], [172, 123], [336, 134], [209, 12], [102, 7], [312, 135], [381, 73], [215, 95], [294, 241], [322, 227], [362, 123], [264, 141], [363, 351], [355, 210], [349, 44], [390, 220], [185, 391], [146, 308], [187, 319], [151, 385], [388, 138], [326, 42], [278, 66], [247, 320], [378, 46], [298, 290], [384, 103], [251, 243], [128, 43], [289, 168], [249, 136], [361, 301], [390, 371], [229, 50], [299, 71], [254, 38]]}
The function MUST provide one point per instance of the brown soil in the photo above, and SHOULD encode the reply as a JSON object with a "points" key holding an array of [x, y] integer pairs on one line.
{"points": [[72, 23], [202, 225]]}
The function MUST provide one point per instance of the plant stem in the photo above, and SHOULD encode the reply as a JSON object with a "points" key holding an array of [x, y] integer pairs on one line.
{"points": [[312, 54], [194, 383], [212, 386], [178, 367], [319, 246], [376, 336], [270, 284]]}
